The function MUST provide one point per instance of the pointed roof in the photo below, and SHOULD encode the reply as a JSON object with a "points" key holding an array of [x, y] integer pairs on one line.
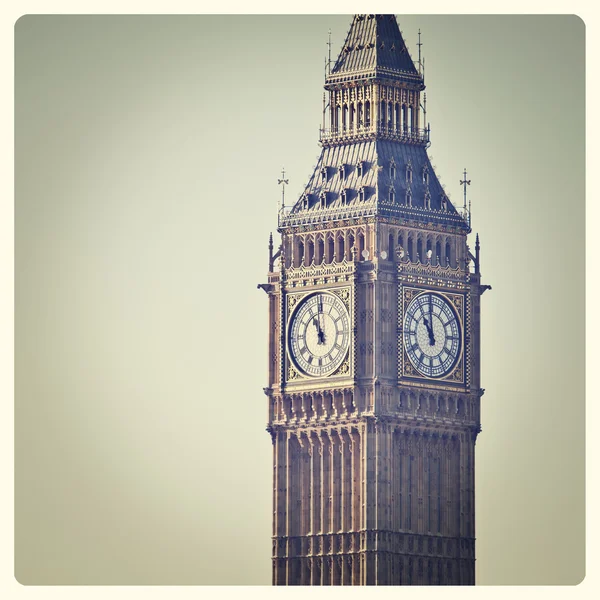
{"points": [[374, 48], [344, 170]]}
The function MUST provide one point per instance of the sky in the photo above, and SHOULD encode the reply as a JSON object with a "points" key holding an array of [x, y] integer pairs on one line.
{"points": [[147, 152]]}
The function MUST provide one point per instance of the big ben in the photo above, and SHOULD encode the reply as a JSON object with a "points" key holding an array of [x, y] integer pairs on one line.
{"points": [[374, 352]]}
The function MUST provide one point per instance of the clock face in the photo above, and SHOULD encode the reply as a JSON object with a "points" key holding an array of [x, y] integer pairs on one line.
{"points": [[319, 334], [432, 335]]}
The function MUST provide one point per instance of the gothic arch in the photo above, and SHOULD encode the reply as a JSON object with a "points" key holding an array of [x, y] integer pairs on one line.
{"points": [[310, 251], [360, 243], [339, 254], [330, 248], [299, 260], [349, 245], [320, 249]]}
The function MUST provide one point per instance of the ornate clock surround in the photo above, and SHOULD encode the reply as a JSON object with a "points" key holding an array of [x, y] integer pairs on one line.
{"points": [[346, 369], [460, 301]]}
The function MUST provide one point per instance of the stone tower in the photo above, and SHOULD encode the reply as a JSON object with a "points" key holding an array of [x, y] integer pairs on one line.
{"points": [[374, 297]]}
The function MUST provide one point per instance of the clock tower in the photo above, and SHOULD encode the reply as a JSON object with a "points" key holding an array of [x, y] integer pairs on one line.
{"points": [[374, 318]]}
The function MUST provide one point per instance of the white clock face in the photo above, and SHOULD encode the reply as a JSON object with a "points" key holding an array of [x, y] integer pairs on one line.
{"points": [[432, 335], [319, 334]]}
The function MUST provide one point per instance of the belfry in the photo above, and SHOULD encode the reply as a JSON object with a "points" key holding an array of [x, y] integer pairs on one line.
{"points": [[374, 344]]}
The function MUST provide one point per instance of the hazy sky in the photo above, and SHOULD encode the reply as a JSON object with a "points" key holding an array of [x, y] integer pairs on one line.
{"points": [[147, 156]]}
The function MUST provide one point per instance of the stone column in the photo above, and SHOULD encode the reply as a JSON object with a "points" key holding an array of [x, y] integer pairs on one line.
{"points": [[315, 500], [325, 482]]}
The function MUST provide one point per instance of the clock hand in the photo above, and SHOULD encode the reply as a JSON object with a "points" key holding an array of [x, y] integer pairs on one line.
{"points": [[320, 334], [430, 332], [320, 312], [316, 324], [431, 336]]}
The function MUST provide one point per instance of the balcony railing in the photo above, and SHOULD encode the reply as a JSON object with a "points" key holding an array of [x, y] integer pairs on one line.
{"points": [[341, 134]]}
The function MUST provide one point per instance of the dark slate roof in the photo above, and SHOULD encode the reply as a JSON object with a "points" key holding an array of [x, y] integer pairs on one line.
{"points": [[374, 47], [377, 178]]}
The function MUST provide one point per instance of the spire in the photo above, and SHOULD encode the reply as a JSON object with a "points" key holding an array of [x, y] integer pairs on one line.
{"points": [[373, 137], [373, 48]]}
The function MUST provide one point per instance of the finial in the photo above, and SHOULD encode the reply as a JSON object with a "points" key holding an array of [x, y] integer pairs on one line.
{"points": [[419, 44], [283, 182], [271, 257], [329, 54], [465, 182], [469, 211]]}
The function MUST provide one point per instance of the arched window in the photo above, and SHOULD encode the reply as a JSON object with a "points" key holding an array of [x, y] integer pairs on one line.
{"points": [[438, 252], [397, 116], [404, 119], [390, 111], [349, 246], [367, 113], [324, 174], [362, 194], [392, 194], [448, 254], [339, 255], [420, 250], [310, 254], [342, 172], [330, 250], [360, 168], [345, 117], [411, 116], [409, 172], [391, 246], [382, 117], [300, 256], [320, 257], [352, 116], [408, 197], [409, 249], [344, 196], [392, 169], [361, 244]]}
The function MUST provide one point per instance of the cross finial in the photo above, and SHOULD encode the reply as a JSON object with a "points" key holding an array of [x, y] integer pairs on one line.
{"points": [[465, 182], [283, 182], [419, 44], [329, 54]]}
